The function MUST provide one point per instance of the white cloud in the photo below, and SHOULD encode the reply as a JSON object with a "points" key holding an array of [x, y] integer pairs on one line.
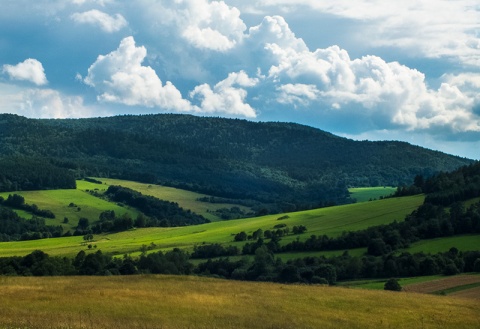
{"points": [[203, 24], [44, 103], [431, 28], [297, 94], [275, 30], [226, 96], [106, 22], [213, 25], [390, 93], [120, 77], [100, 2], [29, 70]]}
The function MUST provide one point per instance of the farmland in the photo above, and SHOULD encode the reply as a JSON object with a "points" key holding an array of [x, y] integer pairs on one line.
{"points": [[72, 204], [195, 302], [331, 221]]}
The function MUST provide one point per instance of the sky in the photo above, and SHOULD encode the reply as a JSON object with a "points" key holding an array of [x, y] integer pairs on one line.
{"points": [[365, 69]]}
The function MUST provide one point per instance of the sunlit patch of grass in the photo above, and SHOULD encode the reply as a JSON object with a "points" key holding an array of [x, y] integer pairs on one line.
{"points": [[331, 221], [362, 194]]}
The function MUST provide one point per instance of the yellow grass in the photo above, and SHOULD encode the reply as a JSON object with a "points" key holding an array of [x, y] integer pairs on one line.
{"points": [[192, 302]]}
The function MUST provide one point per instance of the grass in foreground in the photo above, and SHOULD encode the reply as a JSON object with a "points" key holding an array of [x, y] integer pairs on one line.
{"points": [[192, 302]]}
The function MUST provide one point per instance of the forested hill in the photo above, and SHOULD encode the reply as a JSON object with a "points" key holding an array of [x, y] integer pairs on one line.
{"points": [[232, 158]]}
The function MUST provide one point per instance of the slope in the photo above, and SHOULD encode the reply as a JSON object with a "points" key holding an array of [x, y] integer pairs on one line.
{"points": [[294, 166]]}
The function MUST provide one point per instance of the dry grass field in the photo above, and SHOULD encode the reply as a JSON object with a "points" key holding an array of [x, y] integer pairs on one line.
{"points": [[193, 302]]}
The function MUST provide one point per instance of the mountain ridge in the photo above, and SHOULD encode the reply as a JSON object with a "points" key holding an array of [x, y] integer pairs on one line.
{"points": [[266, 161]]}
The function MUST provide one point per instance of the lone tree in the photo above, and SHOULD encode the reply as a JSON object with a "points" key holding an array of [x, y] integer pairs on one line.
{"points": [[393, 285]]}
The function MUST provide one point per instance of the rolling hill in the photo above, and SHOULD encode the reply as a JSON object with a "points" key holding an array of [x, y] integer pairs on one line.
{"points": [[293, 166]]}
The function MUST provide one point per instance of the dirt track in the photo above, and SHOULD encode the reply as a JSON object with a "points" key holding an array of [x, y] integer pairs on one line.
{"points": [[442, 284], [473, 293]]}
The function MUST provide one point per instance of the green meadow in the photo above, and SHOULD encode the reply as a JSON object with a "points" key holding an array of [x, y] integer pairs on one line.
{"points": [[331, 221], [362, 194], [58, 201], [462, 243]]}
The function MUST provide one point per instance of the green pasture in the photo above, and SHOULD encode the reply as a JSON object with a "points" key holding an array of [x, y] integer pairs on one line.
{"points": [[433, 246], [58, 202], [362, 194], [331, 221], [185, 199]]}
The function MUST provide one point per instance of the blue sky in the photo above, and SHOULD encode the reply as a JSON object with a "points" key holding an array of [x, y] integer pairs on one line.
{"points": [[364, 69]]}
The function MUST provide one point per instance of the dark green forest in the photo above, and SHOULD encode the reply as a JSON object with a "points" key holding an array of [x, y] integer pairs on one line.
{"points": [[229, 158]]}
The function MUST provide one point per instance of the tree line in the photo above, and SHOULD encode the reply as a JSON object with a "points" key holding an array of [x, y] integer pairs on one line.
{"points": [[263, 267], [15, 228]]}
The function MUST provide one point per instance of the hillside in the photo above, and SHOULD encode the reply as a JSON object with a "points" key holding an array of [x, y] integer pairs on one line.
{"points": [[271, 162]]}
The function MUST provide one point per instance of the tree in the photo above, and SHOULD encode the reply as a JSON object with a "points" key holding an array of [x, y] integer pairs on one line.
{"points": [[378, 247], [88, 237], [476, 265], [83, 224], [242, 236], [392, 285]]}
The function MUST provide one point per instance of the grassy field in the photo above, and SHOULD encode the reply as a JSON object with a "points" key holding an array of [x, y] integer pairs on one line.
{"points": [[194, 302], [433, 246], [362, 194], [185, 199], [58, 202], [331, 221]]}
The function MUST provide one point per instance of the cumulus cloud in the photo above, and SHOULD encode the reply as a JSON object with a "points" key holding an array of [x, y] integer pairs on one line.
{"points": [[386, 91], [432, 28], [44, 103], [120, 77], [275, 30], [98, 18], [29, 70], [227, 96], [203, 24], [212, 25], [297, 94]]}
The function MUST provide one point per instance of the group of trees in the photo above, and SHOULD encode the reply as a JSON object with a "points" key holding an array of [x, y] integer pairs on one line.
{"points": [[160, 212], [18, 202], [446, 188], [14, 228], [39, 263], [427, 222], [262, 267], [22, 173]]}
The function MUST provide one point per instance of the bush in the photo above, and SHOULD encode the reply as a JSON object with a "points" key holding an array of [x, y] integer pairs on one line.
{"points": [[392, 285]]}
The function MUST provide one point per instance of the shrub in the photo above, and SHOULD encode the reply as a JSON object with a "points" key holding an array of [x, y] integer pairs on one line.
{"points": [[392, 285]]}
